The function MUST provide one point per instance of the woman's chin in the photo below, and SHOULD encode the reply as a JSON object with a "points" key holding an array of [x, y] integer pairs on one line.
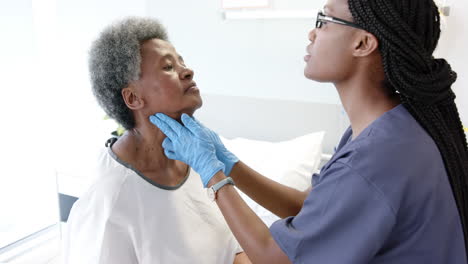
{"points": [[189, 108], [199, 104], [311, 75], [193, 108]]}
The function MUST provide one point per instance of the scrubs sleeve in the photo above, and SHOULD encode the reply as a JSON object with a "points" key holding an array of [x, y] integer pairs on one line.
{"points": [[345, 219]]}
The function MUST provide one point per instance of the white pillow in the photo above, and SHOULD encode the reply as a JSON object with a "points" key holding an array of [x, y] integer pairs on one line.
{"points": [[291, 162]]}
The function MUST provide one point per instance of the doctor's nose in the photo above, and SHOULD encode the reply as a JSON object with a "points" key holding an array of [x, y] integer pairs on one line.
{"points": [[313, 35]]}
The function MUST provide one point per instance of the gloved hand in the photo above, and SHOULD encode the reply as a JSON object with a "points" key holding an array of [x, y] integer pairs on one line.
{"points": [[224, 155], [189, 144]]}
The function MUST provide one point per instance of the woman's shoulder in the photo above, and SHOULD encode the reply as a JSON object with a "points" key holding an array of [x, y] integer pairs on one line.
{"points": [[395, 137], [108, 180], [394, 148]]}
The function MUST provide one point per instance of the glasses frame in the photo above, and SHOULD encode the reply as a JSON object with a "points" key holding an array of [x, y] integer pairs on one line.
{"points": [[321, 18]]}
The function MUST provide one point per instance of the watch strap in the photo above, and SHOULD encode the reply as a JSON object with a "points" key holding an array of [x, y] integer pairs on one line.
{"points": [[215, 187]]}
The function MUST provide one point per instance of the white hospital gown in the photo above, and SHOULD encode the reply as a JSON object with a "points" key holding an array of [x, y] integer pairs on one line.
{"points": [[125, 218]]}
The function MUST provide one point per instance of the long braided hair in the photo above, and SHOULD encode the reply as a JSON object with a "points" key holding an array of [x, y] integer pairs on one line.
{"points": [[408, 32]]}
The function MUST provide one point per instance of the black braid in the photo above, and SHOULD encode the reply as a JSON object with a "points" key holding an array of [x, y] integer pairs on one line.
{"points": [[408, 32]]}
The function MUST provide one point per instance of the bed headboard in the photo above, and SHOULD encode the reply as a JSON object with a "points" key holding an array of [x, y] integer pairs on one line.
{"points": [[271, 119]]}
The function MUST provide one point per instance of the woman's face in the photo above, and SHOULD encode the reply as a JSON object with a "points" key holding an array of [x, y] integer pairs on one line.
{"points": [[329, 55], [166, 84]]}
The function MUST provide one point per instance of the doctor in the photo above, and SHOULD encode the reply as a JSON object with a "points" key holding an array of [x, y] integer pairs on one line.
{"points": [[395, 191]]}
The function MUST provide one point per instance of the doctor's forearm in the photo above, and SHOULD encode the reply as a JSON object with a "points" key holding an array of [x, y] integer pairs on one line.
{"points": [[277, 198], [249, 230]]}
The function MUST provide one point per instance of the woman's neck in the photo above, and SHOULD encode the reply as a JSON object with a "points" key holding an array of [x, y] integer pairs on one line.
{"points": [[364, 102], [141, 147]]}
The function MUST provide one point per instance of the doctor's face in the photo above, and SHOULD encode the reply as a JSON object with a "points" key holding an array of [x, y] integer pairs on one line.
{"points": [[166, 84], [329, 54]]}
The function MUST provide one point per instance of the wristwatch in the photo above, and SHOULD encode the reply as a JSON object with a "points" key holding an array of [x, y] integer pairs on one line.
{"points": [[215, 187]]}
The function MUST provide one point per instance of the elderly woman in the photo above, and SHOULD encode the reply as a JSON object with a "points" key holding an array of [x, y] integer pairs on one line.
{"points": [[144, 207]]}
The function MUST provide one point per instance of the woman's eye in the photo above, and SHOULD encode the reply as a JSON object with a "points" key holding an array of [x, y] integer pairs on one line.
{"points": [[168, 67]]}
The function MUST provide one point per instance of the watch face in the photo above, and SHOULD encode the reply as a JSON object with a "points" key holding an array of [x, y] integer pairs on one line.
{"points": [[211, 194]]}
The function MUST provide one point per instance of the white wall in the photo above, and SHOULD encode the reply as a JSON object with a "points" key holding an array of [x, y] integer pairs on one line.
{"points": [[255, 58], [264, 58], [453, 46], [49, 119], [20, 172], [82, 128]]}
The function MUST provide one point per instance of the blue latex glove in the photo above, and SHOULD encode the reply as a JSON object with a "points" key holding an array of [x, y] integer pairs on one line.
{"points": [[189, 144], [224, 155]]}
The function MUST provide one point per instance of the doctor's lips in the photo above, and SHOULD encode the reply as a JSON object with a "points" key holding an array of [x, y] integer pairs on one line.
{"points": [[307, 56], [192, 87]]}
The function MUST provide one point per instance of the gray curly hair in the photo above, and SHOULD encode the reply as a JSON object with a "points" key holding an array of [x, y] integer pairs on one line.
{"points": [[114, 62]]}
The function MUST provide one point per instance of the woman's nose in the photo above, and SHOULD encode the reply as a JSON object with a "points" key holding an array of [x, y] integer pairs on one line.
{"points": [[312, 35], [187, 73]]}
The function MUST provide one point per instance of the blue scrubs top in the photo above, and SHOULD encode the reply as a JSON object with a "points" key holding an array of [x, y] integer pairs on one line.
{"points": [[384, 197]]}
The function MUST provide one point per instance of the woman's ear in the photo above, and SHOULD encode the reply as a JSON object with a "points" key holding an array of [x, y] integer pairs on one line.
{"points": [[365, 44], [132, 98]]}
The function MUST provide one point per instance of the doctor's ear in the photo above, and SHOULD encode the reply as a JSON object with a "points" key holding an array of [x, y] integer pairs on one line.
{"points": [[132, 98], [364, 44]]}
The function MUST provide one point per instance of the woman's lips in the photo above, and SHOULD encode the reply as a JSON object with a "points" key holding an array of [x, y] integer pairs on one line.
{"points": [[192, 89], [308, 52]]}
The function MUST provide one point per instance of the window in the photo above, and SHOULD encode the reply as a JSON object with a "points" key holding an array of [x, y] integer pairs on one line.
{"points": [[51, 125], [27, 181]]}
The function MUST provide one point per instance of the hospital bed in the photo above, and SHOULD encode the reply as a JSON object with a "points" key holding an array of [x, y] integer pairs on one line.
{"points": [[272, 119]]}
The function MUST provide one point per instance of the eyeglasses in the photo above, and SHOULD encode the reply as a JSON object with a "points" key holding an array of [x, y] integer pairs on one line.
{"points": [[323, 19]]}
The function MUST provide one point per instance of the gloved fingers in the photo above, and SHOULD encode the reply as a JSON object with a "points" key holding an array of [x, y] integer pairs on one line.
{"points": [[213, 134], [170, 154], [167, 144], [189, 123], [174, 125], [198, 122], [164, 127]]}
